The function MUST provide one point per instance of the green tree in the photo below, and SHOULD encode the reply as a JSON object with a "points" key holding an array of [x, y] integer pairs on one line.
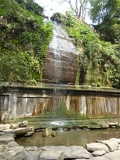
{"points": [[24, 41], [100, 9], [98, 60], [106, 13], [31, 6], [78, 7]]}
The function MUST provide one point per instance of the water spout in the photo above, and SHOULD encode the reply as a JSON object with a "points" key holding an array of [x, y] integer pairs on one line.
{"points": [[44, 93]]}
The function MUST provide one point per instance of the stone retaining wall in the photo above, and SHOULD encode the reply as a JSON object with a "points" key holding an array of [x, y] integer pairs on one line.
{"points": [[58, 101]]}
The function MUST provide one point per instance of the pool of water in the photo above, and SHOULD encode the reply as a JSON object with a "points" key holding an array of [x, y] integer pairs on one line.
{"points": [[68, 138]]}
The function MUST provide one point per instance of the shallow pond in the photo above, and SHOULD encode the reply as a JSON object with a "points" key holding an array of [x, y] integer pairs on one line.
{"points": [[68, 138]]}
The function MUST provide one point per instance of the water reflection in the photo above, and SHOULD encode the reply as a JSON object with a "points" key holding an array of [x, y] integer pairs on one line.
{"points": [[68, 138]]}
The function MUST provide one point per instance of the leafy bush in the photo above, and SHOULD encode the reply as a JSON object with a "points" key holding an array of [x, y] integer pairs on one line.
{"points": [[24, 40], [18, 67], [98, 60], [61, 111]]}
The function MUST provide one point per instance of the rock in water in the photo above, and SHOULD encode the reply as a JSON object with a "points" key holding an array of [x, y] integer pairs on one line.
{"points": [[48, 132], [23, 124]]}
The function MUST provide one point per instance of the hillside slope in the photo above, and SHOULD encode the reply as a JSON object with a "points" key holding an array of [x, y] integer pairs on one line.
{"points": [[24, 40], [98, 60]]}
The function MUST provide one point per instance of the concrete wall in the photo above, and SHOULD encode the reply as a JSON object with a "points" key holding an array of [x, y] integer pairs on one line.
{"points": [[22, 102]]}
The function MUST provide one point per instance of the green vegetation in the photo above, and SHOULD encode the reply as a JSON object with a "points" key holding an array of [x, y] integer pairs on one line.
{"points": [[61, 111], [107, 15], [25, 37], [24, 40], [98, 60]]}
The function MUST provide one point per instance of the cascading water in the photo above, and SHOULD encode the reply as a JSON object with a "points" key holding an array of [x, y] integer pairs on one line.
{"points": [[57, 56], [61, 63]]}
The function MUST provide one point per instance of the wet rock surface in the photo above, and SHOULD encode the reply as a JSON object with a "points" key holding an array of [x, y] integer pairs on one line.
{"points": [[100, 152], [61, 62], [92, 147], [17, 129]]}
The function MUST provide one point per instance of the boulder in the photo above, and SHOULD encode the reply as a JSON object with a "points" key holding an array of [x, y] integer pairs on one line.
{"points": [[14, 126], [2, 148], [111, 144], [98, 153], [6, 139], [71, 152], [52, 155], [14, 153], [23, 124], [4, 127], [21, 131], [76, 152], [113, 124], [32, 153], [28, 134], [17, 129], [91, 147], [10, 131], [94, 126], [118, 147], [31, 131], [13, 144], [48, 132], [115, 139], [4, 133], [101, 158], [115, 155]]}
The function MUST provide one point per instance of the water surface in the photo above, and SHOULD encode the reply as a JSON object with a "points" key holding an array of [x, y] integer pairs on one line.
{"points": [[68, 138]]}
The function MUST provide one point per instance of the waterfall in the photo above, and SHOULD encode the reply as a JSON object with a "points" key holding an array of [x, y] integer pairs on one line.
{"points": [[57, 68], [64, 42], [61, 66], [61, 62]]}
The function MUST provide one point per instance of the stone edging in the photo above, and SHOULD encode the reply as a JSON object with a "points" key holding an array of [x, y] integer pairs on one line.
{"points": [[99, 150]]}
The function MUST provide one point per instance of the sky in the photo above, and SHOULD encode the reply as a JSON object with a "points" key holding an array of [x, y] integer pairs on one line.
{"points": [[51, 7]]}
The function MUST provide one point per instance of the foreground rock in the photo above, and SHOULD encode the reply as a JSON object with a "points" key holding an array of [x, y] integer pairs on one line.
{"points": [[111, 144], [4, 127], [32, 153], [105, 149], [13, 153], [18, 129], [10, 150], [5, 138], [92, 147], [71, 152], [109, 156]]}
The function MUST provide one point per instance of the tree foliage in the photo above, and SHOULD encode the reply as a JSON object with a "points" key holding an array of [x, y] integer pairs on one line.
{"points": [[98, 60], [100, 9], [24, 40], [31, 6], [107, 14], [78, 7]]}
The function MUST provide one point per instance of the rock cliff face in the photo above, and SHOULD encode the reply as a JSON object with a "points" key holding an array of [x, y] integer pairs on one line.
{"points": [[61, 63]]}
